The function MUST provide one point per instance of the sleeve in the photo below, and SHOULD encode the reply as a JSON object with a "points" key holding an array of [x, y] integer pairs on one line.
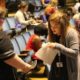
{"points": [[73, 45], [6, 48], [19, 16]]}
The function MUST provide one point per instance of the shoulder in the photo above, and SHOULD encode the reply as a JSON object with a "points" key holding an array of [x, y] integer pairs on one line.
{"points": [[72, 33], [33, 38], [18, 13], [36, 38]]}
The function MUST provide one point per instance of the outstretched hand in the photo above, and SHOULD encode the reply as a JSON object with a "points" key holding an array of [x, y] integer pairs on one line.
{"points": [[29, 67], [51, 45]]}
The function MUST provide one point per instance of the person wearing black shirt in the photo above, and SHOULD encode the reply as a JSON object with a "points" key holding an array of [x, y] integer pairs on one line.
{"points": [[9, 61]]}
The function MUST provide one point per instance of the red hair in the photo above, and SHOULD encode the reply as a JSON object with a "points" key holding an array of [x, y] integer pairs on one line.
{"points": [[50, 10]]}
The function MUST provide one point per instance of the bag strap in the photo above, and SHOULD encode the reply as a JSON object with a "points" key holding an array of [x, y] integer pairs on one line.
{"points": [[24, 16]]}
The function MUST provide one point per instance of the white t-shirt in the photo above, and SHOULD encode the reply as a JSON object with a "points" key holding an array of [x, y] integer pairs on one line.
{"points": [[21, 19]]}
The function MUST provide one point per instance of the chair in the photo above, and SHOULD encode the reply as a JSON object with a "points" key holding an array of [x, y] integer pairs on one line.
{"points": [[13, 24], [26, 36], [25, 56], [9, 26], [21, 42], [6, 27], [15, 46]]}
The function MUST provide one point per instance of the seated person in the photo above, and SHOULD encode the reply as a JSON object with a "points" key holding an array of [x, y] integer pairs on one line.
{"points": [[22, 15], [35, 42]]}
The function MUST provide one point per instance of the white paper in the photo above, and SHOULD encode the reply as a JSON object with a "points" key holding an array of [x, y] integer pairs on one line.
{"points": [[47, 54]]}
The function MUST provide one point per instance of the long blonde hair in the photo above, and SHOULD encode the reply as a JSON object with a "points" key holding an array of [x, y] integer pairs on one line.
{"points": [[59, 18]]}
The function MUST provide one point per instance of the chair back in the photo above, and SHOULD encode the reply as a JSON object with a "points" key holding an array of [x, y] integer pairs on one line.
{"points": [[15, 46], [5, 25], [26, 36], [12, 22], [21, 42]]}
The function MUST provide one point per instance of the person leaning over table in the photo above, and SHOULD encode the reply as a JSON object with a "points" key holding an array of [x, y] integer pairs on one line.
{"points": [[65, 38], [9, 61]]}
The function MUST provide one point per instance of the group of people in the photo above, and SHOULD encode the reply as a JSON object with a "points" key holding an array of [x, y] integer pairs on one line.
{"points": [[25, 17], [61, 36]]}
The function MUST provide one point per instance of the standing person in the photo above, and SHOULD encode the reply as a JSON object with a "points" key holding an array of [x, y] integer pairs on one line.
{"points": [[9, 61], [65, 38]]}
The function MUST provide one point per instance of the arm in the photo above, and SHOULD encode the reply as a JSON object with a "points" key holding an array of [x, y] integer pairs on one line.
{"points": [[67, 51], [18, 63], [7, 54], [72, 47], [20, 17]]}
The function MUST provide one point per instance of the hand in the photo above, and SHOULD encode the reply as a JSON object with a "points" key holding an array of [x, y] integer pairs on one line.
{"points": [[30, 66], [32, 21], [26, 69], [51, 45]]}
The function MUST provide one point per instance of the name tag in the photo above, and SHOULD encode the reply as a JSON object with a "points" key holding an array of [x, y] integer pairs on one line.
{"points": [[59, 64]]}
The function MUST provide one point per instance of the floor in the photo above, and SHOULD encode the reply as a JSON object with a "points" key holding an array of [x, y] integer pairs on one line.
{"points": [[39, 79], [38, 75]]}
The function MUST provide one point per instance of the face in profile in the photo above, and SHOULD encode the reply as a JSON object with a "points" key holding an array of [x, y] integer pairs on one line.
{"points": [[55, 27], [26, 8]]}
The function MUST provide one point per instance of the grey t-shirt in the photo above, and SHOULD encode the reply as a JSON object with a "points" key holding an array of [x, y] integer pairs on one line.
{"points": [[6, 48], [7, 72]]}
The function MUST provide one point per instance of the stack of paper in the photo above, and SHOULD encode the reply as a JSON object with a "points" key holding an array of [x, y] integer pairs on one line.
{"points": [[47, 54]]}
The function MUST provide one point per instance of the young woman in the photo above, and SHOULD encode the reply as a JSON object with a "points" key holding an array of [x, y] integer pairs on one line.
{"points": [[65, 38], [22, 16]]}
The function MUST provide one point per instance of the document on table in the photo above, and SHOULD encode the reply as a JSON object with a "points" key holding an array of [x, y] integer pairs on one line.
{"points": [[47, 54]]}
